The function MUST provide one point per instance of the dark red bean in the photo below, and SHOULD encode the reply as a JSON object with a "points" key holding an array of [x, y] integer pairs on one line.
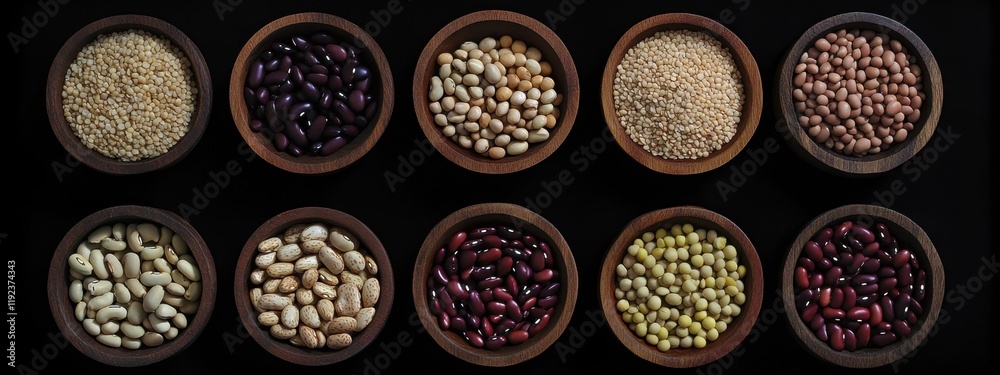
{"points": [[456, 240], [824, 264], [496, 307], [472, 245], [884, 257], [458, 324], [502, 295], [489, 282], [856, 264], [832, 313], [457, 291], [444, 322], [875, 313], [809, 312], [548, 302], [813, 251], [529, 304], [851, 325], [474, 339], [855, 244], [439, 276], [801, 278], [518, 337], [901, 328], [850, 340], [549, 290], [504, 326], [805, 298], [842, 229], [543, 275], [806, 263], [888, 309], [318, 79], [883, 339], [439, 257], [450, 265], [886, 272], [904, 275], [887, 284], [885, 326], [540, 324], [495, 342], [513, 311], [836, 336], [837, 298], [920, 286], [537, 261], [815, 281], [832, 275], [864, 280], [447, 304], [824, 236], [870, 266], [862, 234], [481, 273], [817, 322], [466, 259], [356, 100], [522, 272], [901, 258], [824, 296], [476, 305], [859, 314], [870, 249], [486, 327], [863, 334], [850, 297], [902, 305], [488, 256], [492, 241], [822, 334]]}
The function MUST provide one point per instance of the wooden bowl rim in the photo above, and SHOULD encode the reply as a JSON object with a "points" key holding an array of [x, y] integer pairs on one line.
{"points": [[277, 225], [838, 163], [536, 153], [539, 227], [67, 54], [734, 335], [308, 164], [73, 330], [752, 88], [922, 246]]}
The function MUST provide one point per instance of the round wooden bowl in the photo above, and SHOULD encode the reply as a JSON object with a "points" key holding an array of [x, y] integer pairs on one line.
{"points": [[905, 231], [737, 330], [276, 226], [282, 29], [68, 53], [752, 90], [493, 214], [836, 162], [496, 23], [62, 307]]}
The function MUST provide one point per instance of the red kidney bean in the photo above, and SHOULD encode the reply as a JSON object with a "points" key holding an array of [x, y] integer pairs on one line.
{"points": [[902, 305], [540, 324], [439, 256], [456, 241], [548, 302], [801, 277], [870, 249], [870, 266], [481, 273], [466, 259], [842, 229], [886, 272], [883, 339], [830, 250], [537, 261], [817, 322], [862, 234], [850, 297], [439, 275], [884, 257], [518, 337], [832, 275], [815, 281], [885, 326], [488, 256], [809, 312], [824, 264], [805, 298], [474, 339], [875, 313], [856, 265], [450, 265], [888, 309], [822, 334], [501, 295], [489, 282], [836, 335], [833, 313], [444, 322], [813, 251], [863, 334], [901, 328], [859, 314], [850, 340], [837, 298], [510, 282], [458, 324], [887, 284], [513, 311], [807, 264], [529, 304], [824, 235], [457, 290], [901, 258], [495, 342], [549, 290]]}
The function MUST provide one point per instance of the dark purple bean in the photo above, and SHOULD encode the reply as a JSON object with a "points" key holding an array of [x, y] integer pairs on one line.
{"points": [[334, 82], [347, 71], [837, 298], [450, 265], [855, 244], [817, 322], [370, 109], [473, 245], [439, 256], [809, 313], [283, 103], [337, 53], [806, 263], [363, 85], [489, 282], [285, 64], [317, 78], [866, 289], [842, 281], [356, 101], [864, 280], [870, 266], [361, 72], [280, 141], [310, 91], [300, 43], [271, 115], [351, 131], [885, 272], [508, 233], [882, 233], [296, 135], [505, 326], [805, 298], [275, 77], [315, 148], [250, 98], [866, 300], [304, 68], [310, 58], [298, 110], [295, 75], [294, 150], [842, 230], [316, 128], [517, 254], [548, 302], [821, 334], [286, 87], [883, 339], [824, 264], [326, 99], [255, 76], [282, 48], [271, 65], [458, 324], [262, 95], [482, 272], [522, 272], [256, 125], [495, 342], [815, 281], [836, 334]]}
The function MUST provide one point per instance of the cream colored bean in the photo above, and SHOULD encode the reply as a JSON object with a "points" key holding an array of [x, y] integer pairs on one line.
{"points": [[112, 312], [99, 234], [268, 318], [314, 232], [101, 301], [148, 232], [114, 266], [175, 289], [161, 264], [151, 252], [517, 147], [113, 341], [98, 287], [151, 278], [165, 311], [189, 269], [135, 313], [341, 241], [112, 244], [290, 252], [166, 237], [122, 295], [313, 246], [354, 261], [97, 261], [177, 277], [290, 316], [130, 343], [130, 265], [331, 259], [133, 331], [152, 339], [80, 264], [282, 333], [265, 259], [257, 276], [134, 239], [193, 292], [135, 288], [364, 318], [92, 327], [273, 302], [338, 341], [269, 245], [153, 298], [159, 325], [180, 246], [76, 291], [80, 311]]}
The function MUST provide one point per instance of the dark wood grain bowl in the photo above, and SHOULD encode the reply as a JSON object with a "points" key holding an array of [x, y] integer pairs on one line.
{"points": [[282, 29], [57, 77], [493, 214], [752, 92], [496, 23], [906, 232], [277, 226], [702, 219], [847, 165], [62, 307]]}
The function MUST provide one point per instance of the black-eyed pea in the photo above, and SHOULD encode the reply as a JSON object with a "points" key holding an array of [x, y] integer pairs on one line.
{"points": [[99, 234], [341, 240], [268, 318], [281, 332], [305, 296], [113, 341], [152, 339], [364, 318], [265, 259], [354, 261], [113, 265], [92, 327], [331, 259], [342, 324], [309, 278], [338, 341], [288, 284], [370, 292], [270, 245], [307, 336], [80, 264], [292, 233], [98, 287], [271, 285], [131, 343], [325, 309]]}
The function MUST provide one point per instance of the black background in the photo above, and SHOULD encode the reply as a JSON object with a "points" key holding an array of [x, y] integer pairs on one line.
{"points": [[947, 193]]}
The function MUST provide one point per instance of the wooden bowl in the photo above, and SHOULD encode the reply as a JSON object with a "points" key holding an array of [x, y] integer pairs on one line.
{"points": [[752, 90], [905, 231], [68, 53], [275, 227], [282, 29], [737, 330], [492, 214], [496, 23], [62, 307], [836, 162]]}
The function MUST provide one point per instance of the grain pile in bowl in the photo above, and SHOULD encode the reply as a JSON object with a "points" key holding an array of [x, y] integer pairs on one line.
{"points": [[679, 94], [129, 95]]}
